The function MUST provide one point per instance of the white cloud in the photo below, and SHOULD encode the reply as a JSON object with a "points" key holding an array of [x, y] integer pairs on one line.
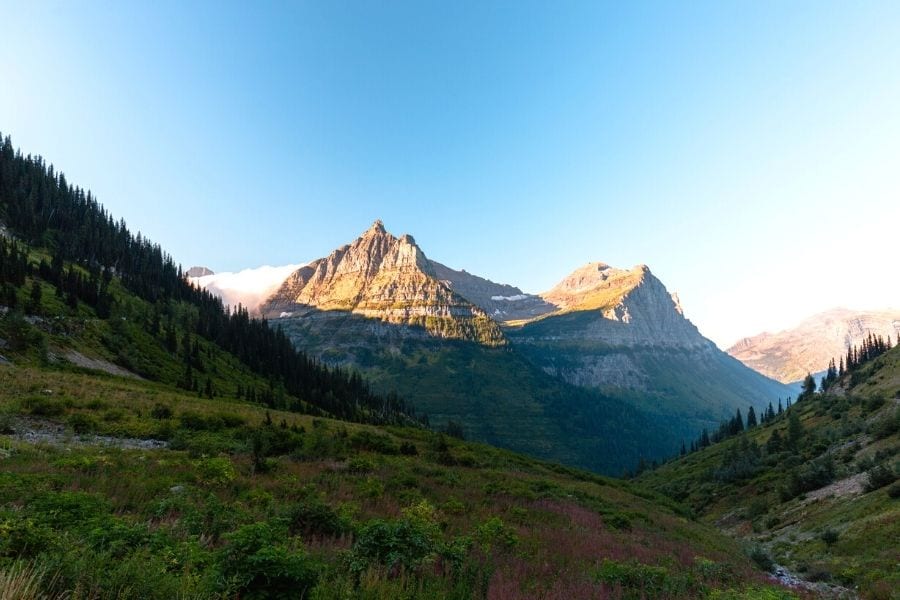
{"points": [[250, 287]]}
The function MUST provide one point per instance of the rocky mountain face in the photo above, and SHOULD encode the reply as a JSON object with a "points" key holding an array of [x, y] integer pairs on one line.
{"points": [[564, 374], [789, 355], [379, 276]]}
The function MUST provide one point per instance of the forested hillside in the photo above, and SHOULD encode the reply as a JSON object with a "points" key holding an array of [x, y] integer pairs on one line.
{"points": [[72, 249], [814, 486]]}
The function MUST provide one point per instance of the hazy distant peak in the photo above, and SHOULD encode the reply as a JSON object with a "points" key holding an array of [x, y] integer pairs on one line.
{"points": [[199, 272], [807, 348]]}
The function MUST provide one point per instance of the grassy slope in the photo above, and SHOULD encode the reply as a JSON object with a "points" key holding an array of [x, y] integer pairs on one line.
{"points": [[153, 523], [857, 429]]}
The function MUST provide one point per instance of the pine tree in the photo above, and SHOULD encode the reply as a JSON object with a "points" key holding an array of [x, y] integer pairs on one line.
{"points": [[809, 387], [751, 418], [34, 300], [795, 430]]}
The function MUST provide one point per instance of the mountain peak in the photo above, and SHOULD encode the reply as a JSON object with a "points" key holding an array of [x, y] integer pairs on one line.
{"points": [[198, 271], [384, 277]]}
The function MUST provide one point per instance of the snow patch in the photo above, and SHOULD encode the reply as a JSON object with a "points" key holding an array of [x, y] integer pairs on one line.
{"points": [[249, 288], [515, 298]]}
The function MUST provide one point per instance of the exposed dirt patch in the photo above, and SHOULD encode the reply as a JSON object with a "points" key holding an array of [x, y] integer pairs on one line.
{"points": [[851, 486], [42, 431], [98, 364], [822, 590]]}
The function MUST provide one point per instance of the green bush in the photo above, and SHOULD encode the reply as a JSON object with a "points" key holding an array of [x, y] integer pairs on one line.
{"points": [[23, 537], [311, 516], [638, 580], [373, 442], [405, 543], [82, 423], [879, 477], [359, 464], [830, 537], [495, 533], [257, 564], [44, 406], [161, 411], [762, 559], [894, 490], [889, 425], [215, 471]]}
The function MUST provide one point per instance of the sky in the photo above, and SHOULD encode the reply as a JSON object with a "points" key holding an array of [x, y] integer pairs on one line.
{"points": [[748, 152]]}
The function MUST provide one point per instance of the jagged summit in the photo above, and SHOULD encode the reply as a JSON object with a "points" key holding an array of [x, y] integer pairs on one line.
{"points": [[381, 276], [377, 227]]}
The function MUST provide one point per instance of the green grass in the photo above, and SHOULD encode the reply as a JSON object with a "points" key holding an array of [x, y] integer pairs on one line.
{"points": [[333, 506]]}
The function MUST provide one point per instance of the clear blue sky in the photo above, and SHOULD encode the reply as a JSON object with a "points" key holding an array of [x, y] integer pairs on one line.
{"points": [[744, 150]]}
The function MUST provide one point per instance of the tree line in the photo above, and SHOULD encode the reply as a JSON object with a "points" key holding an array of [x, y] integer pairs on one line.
{"points": [[871, 348]]}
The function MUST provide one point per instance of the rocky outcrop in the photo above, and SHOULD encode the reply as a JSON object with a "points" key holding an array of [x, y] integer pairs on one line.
{"points": [[383, 277], [789, 355], [198, 272]]}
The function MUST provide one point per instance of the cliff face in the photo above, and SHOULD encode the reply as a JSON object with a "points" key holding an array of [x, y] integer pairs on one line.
{"points": [[789, 355], [616, 307], [382, 277]]}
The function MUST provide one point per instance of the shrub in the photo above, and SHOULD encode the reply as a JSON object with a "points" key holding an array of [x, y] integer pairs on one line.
{"points": [[311, 516], [67, 509], [359, 464], [894, 490], [494, 532], [23, 537], [408, 449], [215, 471], [889, 425], [42, 406], [879, 477], [82, 423], [202, 443], [373, 442], [405, 543], [643, 581], [829, 536], [256, 564], [762, 559], [161, 411], [812, 476]]}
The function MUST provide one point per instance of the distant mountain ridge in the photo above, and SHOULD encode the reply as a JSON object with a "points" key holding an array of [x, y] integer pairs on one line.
{"points": [[385, 277], [789, 355]]}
